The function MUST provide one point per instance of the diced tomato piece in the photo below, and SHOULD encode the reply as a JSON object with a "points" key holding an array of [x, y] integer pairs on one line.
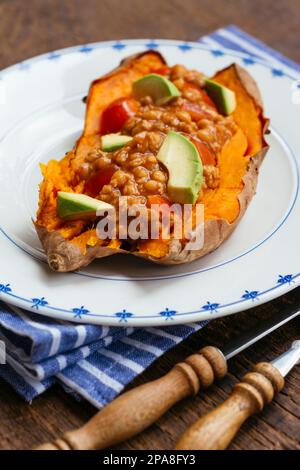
{"points": [[207, 99], [157, 199], [196, 111], [207, 157], [203, 93], [116, 114], [96, 182], [165, 70], [163, 203]]}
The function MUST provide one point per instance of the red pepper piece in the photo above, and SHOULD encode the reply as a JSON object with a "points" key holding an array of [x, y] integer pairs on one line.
{"points": [[203, 93], [206, 155], [196, 111], [163, 70], [157, 199], [116, 114], [96, 182]]}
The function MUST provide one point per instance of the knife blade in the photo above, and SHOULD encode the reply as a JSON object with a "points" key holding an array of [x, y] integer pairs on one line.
{"points": [[261, 330], [288, 359]]}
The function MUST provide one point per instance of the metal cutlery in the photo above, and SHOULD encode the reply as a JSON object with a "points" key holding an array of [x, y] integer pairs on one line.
{"points": [[135, 410], [216, 429]]}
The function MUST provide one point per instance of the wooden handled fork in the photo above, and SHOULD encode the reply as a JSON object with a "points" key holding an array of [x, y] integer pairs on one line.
{"points": [[135, 410], [216, 430]]}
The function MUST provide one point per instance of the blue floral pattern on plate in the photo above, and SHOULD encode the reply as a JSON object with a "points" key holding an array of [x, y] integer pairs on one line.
{"points": [[124, 315], [79, 311], [85, 49], [54, 56], [151, 45], [169, 314], [5, 288], [250, 295], [287, 279], [248, 61], [211, 307], [277, 72], [119, 46], [217, 53], [184, 47], [38, 302]]}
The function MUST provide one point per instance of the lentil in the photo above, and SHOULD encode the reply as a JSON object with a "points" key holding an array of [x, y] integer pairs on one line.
{"points": [[159, 175]]}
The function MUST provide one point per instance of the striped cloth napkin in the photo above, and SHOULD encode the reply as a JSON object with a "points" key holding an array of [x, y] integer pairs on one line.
{"points": [[97, 362]]}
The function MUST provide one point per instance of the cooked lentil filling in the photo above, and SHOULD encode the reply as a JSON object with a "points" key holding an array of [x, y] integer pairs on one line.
{"points": [[136, 170]]}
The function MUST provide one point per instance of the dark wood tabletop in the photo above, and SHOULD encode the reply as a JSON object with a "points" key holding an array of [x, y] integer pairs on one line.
{"points": [[37, 26]]}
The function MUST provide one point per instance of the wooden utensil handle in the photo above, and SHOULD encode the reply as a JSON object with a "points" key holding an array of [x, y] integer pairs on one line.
{"points": [[138, 408], [216, 430]]}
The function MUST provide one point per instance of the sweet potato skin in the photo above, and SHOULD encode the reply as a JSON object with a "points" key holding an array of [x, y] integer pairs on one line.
{"points": [[65, 256]]}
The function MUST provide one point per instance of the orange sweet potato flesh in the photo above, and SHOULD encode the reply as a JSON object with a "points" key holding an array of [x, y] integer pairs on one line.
{"points": [[249, 111], [222, 203], [117, 84], [156, 248], [58, 176]]}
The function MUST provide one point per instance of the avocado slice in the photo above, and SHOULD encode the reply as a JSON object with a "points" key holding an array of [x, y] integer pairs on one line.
{"points": [[158, 87], [111, 142], [222, 96], [184, 165], [72, 206]]}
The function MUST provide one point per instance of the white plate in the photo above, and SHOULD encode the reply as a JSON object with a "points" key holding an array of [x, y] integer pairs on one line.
{"points": [[41, 116]]}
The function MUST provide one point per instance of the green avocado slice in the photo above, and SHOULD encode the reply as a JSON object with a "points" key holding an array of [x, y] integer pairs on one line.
{"points": [[181, 159], [159, 88], [111, 142], [72, 206], [222, 96]]}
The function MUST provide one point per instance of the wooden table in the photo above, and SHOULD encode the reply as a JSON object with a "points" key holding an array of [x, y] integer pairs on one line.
{"points": [[51, 24]]}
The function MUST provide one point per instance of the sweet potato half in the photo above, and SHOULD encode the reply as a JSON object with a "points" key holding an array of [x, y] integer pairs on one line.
{"points": [[70, 246]]}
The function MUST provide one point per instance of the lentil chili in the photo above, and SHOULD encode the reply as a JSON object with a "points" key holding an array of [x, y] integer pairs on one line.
{"points": [[134, 170]]}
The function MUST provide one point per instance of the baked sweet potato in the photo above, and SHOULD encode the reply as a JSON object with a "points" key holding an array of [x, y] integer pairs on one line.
{"points": [[70, 245]]}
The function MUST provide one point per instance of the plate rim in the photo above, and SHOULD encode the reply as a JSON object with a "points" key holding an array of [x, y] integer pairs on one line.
{"points": [[85, 48], [208, 311]]}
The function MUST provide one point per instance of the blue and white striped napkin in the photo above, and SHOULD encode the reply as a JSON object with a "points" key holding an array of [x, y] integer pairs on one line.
{"points": [[97, 362]]}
